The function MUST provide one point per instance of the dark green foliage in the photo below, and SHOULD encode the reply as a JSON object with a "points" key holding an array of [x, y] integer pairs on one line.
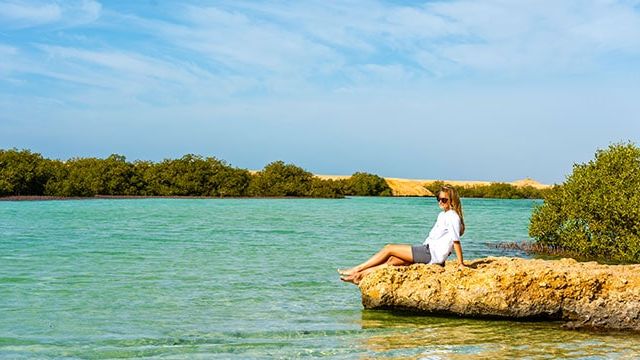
{"points": [[192, 175], [435, 186], [493, 191], [596, 212], [364, 184], [26, 173], [83, 178], [326, 188], [59, 172], [92, 176], [230, 181], [501, 191], [280, 179], [22, 173]]}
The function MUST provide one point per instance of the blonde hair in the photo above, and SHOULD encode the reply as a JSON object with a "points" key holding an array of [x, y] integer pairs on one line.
{"points": [[456, 205]]}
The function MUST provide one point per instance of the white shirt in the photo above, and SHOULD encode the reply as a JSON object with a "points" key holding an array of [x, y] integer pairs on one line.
{"points": [[442, 235]]}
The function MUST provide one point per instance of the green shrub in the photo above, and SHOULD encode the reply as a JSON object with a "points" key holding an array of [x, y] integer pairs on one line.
{"points": [[22, 173], [26, 173], [81, 177], [492, 191], [596, 212], [280, 179], [91, 176], [365, 184], [191, 175], [229, 181], [326, 188], [435, 186]]}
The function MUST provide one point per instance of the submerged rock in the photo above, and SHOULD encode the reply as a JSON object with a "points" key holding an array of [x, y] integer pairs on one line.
{"points": [[583, 294]]}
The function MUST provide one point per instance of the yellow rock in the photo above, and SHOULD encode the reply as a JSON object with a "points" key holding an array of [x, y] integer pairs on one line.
{"points": [[582, 294]]}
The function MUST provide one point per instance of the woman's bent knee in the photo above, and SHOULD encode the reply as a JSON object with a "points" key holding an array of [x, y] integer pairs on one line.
{"points": [[394, 261], [388, 248]]}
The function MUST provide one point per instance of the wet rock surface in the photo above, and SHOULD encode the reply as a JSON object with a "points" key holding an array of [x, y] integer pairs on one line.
{"points": [[584, 295]]}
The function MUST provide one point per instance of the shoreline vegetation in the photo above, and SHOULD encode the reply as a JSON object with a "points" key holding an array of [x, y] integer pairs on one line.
{"points": [[595, 213], [134, 197], [25, 175], [592, 215]]}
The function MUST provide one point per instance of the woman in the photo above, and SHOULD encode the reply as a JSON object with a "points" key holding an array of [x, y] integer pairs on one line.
{"points": [[443, 238]]}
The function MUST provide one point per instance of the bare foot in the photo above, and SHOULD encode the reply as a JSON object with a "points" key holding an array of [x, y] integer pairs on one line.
{"points": [[346, 272], [348, 278], [357, 277], [353, 278]]}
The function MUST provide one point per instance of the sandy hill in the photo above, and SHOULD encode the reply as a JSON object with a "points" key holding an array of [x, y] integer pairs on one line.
{"points": [[416, 187]]}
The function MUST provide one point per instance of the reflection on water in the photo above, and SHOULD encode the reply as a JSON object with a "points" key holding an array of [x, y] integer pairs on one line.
{"points": [[402, 335]]}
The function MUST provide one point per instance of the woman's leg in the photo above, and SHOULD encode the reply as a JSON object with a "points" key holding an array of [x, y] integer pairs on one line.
{"points": [[394, 261], [400, 251], [359, 275]]}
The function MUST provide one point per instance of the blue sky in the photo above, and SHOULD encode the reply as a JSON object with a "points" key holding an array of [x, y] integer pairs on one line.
{"points": [[486, 90]]}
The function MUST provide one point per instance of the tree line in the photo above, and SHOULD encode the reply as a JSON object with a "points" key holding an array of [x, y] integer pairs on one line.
{"points": [[23, 172], [493, 191]]}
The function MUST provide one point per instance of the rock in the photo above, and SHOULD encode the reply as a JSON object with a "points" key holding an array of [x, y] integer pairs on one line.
{"points": [[582, 294]]}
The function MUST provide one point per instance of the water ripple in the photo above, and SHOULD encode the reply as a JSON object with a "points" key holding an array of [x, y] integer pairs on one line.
{"points": [[242, 278]]}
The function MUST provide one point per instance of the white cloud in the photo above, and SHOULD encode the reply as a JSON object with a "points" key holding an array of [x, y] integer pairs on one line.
{"points": [[105, 78], [90, 9], [611, 26], [242, 43], [306, 48], [6, 50], [20, 14], [437, 39], [546, 36], [25, 14], [7, 53], [121, 63], [288, 75]]}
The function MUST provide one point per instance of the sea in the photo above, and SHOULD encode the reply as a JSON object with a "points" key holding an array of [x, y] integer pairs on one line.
{"points": [[247, 279]]}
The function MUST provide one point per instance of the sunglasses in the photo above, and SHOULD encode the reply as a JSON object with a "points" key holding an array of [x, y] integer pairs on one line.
{"points": [[443, 200]]}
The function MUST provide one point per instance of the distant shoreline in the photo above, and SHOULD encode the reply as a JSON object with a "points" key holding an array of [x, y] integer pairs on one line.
{"points": [[399, 187], [418, 187], [134, 197], [27, 198], [25, 176]]}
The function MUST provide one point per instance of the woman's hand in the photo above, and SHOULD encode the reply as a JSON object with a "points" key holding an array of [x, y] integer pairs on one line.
{"points": [[461, 266]]}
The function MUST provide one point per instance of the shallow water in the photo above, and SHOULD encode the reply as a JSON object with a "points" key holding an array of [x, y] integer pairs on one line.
{"points": [[244, 278]]}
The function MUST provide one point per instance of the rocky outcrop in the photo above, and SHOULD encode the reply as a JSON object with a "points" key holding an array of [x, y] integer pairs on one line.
{"points": [[583, 294]]}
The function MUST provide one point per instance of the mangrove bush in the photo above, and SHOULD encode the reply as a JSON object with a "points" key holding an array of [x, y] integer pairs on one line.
{"points": [[493, 191], [23, 172], [365, 184], [596, 212]]}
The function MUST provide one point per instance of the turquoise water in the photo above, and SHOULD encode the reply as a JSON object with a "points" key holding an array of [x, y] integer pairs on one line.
{"points": [[244, 278]]}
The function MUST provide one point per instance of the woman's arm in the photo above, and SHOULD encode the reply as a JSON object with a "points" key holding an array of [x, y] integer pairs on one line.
{"points": [[458, 249], [453, 225]]}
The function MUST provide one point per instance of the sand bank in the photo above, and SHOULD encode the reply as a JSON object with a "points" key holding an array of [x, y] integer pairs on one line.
{"points": [[416, 187]]}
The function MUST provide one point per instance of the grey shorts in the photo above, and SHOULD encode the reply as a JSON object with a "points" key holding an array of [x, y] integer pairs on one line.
{"points": [[421, 254]]}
